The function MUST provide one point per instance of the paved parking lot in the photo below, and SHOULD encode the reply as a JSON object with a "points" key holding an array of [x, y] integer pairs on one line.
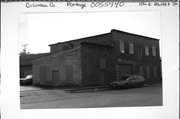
{"points": [[34, 98]]}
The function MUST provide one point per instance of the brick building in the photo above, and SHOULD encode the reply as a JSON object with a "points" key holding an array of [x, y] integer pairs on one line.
{"points": [[99, 60]]}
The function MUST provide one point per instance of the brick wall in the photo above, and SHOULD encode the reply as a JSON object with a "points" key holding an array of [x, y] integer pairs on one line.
{"points": [[94, 60], [59, 47], [44, 67], [139, 42], [92, 71], [100, 39]]}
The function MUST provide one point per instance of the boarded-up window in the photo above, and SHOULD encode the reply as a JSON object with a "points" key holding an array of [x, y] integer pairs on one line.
{"points": [[155, 71], [148, 71], [153, 51], [147, 50], [121, 45], [141, 72], [131, 48], [65, 47], [102, 64]]}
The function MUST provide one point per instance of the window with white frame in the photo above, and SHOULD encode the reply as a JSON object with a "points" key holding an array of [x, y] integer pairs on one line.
{"points": [[121, 45], [153, 51], [131, 48], [147, 50]]}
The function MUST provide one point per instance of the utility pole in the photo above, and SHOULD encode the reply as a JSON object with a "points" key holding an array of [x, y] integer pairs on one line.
{"points": [[24, 48]]}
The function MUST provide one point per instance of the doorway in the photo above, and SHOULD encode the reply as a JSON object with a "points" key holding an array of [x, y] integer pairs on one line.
{"points": [[102, 79]]}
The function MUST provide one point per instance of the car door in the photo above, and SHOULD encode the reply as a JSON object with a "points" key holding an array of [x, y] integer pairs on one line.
{"points": [[137, 80], [132, 81]]}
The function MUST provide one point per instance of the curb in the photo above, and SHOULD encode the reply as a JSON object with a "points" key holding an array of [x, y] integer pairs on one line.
{"points": [[101, 88], [88, 89], [152, 84]]}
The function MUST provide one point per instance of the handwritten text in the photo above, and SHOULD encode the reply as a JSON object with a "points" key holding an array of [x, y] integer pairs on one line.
{"points": [[111, 4], [159, 4], [44, 5], [76, 4]]}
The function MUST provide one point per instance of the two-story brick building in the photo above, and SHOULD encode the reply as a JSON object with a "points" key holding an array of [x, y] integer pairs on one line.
{"points": [[99, 60]]}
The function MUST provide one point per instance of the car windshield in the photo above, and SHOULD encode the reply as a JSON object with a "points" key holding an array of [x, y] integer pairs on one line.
{"points": [[137, 76], [29, 76]]}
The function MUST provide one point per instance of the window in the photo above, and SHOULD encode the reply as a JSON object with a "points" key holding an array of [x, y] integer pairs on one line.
{"points": [[148, 72], [68, 46], [147, 50], [121, 45], [153, 51], [155, 71], [65, 47], [131, 48], [71, 46]]}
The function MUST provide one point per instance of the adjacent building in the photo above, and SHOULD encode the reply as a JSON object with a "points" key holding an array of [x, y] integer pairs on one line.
{"points": [[26, 62], [99, 60]]}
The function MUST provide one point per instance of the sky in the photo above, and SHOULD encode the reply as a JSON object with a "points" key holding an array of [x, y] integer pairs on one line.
{"points": [[38, 30]]}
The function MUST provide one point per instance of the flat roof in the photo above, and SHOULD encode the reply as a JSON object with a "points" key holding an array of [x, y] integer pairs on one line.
{"points": [[79, 39], [149, 38], [113, 30]]}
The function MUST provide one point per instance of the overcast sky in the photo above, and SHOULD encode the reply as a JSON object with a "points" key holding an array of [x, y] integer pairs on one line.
{"points": [[38, 30]]}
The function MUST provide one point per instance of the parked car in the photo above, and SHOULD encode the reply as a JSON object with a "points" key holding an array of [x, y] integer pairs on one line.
{"points": [[128, 82], [28, 80]]}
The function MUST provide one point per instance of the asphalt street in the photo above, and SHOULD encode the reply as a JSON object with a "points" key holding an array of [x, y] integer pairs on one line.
{"points": [[37, 98]]}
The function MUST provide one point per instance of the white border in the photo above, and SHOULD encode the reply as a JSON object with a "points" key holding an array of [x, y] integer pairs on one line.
{"points": [[10, 105]]}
